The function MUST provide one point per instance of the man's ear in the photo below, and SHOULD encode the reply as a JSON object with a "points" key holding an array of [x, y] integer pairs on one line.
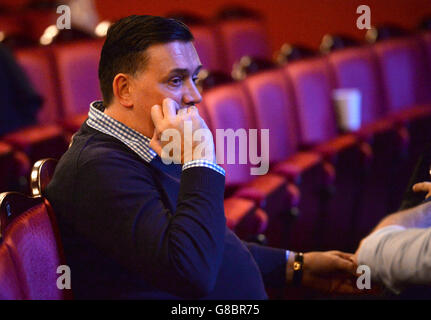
{"points": [[121, 86]]}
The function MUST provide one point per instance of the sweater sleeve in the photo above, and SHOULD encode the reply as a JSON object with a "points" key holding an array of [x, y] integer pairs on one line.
{"points": [[121, 211], [272, 264]]}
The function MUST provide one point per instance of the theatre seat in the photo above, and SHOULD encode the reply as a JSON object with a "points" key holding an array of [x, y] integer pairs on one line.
{"points": [[312, 84], [245, 219], [41, 175], [358, 68], [14, 168], [207, 47], [243, 37], [77, 67], [273, 109], [227, 110], [426, 38], [405, 74], [37, 64], [29, 237], [10, 288], [46, 138], [406, 79]]}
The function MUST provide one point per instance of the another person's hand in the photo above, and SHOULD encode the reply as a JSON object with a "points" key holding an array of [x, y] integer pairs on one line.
{"points": [[331, 272], [170, 122], [423, 187]]}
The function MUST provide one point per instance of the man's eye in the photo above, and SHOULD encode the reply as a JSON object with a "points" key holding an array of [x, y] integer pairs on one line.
{"points": [[176, 82]]}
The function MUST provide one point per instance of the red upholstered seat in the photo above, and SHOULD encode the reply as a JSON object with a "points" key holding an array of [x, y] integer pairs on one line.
{"points": [[226, 107], [10, 288], [37, 64], [312, 83], [243, 37], [77, 67], [358, 68], [405, 73], [45, 139], [244, 218], [406, 79], [273, 108], [207, 47], [426, 39], [29, 235], [14, 167]]}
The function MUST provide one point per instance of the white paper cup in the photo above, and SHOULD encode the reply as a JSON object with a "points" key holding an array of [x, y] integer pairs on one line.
{"points": [[347, 103]]}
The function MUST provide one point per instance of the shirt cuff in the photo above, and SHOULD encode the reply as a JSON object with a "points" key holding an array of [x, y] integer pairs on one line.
{"points": [[204, 163], [287, 255]]}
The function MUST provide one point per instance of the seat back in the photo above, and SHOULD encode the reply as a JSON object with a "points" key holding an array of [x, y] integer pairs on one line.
{"points": [[243, 37], [226, 108], [6, 160], [273, 106], [406, 79], [312, 86], [41, 174], [358, 68], [207, 47], [426, 38], [77, 66], [28, 235], [39, 69]]}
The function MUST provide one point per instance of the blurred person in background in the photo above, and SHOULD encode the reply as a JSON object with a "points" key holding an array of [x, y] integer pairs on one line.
{"points": [[19, 101]]}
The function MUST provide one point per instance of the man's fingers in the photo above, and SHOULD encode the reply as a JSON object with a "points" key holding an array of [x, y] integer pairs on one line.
{"points": [[344, 265], [156, 115], [182, 111], [422, 187], [169, 108], [343, 255], [192, 109]]}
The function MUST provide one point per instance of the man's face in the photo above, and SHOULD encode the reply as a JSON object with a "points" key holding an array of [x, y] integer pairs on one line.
{"points": [[171, 72]]}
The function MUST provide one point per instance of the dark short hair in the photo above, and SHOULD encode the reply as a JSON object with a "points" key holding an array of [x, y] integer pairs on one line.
{"points": [[126, 42]]}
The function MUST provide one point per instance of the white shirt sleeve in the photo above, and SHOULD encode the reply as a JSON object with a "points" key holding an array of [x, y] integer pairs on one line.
{"points": [[398, 257]]}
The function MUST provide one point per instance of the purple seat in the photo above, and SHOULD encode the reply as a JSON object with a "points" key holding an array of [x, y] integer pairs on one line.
{"points": [[77, 65], [358, 68], [10, 288], [243, 37], [208, 47], [405, 74], [227, 108], [29, 235], [312, 84], [14, 166], [406, 79], [273, 108], [426, 38], [46, 139]]}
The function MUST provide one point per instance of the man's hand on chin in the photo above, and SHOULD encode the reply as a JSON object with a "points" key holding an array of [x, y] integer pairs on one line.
{"points": [[195, 139]]}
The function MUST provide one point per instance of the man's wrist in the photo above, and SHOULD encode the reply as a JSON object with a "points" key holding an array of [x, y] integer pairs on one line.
{"points": [[289, 267], [204, 163]]}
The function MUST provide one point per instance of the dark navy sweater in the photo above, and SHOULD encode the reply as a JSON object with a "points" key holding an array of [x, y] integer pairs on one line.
{"points": [[137, 230]]}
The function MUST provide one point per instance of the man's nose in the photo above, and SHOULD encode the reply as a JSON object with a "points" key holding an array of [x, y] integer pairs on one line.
{"points": [[191, 95]]}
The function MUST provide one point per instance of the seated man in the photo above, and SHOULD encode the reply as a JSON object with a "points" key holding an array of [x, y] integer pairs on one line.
{"points": [[135, 227]]}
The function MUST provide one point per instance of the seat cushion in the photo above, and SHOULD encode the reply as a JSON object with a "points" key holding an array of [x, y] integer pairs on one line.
{"points": [[33, 247]]}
